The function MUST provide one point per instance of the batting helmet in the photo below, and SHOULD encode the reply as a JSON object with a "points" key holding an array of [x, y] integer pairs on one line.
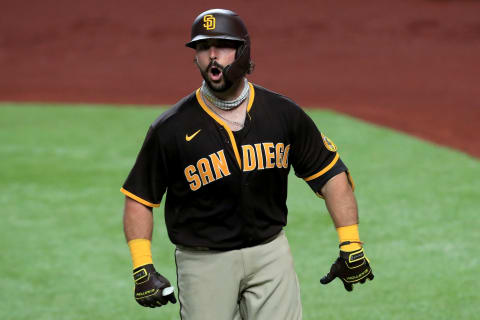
{"points": [[227, 25]]}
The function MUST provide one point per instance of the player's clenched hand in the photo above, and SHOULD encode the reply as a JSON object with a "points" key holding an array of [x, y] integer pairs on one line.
{"points": [[350, 267], [151, 288]]}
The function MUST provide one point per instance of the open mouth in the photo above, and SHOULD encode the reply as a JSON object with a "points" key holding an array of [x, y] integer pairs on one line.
{"points": [[215, 73]]}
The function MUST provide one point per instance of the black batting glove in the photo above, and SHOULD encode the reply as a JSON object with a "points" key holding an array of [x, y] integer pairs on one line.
{"points": [[151, 288], [350, 267]]}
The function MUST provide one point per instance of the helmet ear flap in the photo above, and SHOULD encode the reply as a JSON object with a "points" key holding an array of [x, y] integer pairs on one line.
{"points": [[241, 66], [240, 50]]}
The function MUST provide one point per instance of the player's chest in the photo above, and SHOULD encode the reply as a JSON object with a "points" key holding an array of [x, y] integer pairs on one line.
{"points": [[216, 148]]}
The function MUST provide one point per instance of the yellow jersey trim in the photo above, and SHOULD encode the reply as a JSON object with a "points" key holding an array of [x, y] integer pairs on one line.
{"points": [[324, 170], [250, 99], [138, 199], [223, 124]]}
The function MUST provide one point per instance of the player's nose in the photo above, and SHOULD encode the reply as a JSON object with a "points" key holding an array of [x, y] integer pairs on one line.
{"points": [[213, 52]]}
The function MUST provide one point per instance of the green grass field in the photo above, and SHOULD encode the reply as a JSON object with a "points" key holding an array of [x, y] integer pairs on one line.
{"points": [[63, 254]]}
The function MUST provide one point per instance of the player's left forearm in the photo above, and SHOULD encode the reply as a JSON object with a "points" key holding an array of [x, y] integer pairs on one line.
{"points": [[340, 201]]}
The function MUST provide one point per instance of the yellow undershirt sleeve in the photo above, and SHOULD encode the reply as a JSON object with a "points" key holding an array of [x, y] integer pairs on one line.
{"points": [[349, 233], [141, 252]]}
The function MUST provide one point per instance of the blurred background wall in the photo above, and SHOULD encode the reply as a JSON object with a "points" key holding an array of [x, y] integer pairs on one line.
{"points": [[411, 64]]}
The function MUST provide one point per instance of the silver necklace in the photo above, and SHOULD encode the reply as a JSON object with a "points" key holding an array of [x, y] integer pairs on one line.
{"points": [[238, 124], [225, 104]]}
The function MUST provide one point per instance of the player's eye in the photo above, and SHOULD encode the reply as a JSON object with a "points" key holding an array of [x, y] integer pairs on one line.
{"points": [[202, 46]]}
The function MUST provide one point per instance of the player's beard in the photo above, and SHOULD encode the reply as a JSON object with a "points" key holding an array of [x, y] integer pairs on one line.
{"points": [[220, 86]]}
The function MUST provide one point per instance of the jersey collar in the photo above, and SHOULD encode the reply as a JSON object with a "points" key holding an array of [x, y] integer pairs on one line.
{"points": [[251, 97]]}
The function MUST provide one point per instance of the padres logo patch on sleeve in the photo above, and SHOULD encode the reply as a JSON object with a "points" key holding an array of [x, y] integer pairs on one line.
{"points": [[328, 143]]}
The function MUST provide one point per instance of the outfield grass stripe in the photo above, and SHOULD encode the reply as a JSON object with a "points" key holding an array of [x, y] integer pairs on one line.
{"points": [[63, 249]]}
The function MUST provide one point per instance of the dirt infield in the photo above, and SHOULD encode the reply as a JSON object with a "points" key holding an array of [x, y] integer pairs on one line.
{"points": [[412, 65]]}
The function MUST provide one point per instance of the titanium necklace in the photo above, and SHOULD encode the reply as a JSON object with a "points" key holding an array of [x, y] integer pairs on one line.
{"points": [[225, 104]]}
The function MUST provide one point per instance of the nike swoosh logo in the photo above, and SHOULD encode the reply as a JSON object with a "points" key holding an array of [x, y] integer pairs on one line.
{"points": [[188, 138]]}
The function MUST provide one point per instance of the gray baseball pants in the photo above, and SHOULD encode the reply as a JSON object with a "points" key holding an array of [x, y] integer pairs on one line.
{"points": [[256, 283]]}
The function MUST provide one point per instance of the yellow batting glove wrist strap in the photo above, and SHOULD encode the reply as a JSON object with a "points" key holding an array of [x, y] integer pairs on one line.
{"points": [[349, 238], [141, 252]]}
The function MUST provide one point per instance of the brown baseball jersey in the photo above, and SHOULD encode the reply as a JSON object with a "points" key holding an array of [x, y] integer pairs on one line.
{"points": [[227, 190]]}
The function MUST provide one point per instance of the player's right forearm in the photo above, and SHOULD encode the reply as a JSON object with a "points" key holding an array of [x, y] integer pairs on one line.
{"points": [[137, 220], [138, 226]]}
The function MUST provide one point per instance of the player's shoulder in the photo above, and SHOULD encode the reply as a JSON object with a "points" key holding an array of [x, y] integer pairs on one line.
{"points": [[271, 99], [175, 113]]}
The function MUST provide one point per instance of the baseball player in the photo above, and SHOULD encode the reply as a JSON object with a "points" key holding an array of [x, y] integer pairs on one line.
{"points": [[222, 156]]}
